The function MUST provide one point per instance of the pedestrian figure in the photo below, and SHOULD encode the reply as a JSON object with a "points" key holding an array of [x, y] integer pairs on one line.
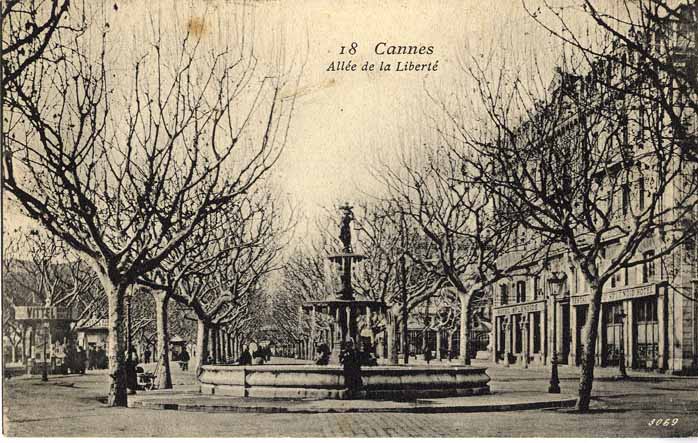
{"points": [[184, 359], [366, 355], [146, 355], [245, 357], [427, 355], [81, 360], [324, 357], [350, 359], [258, 356]]}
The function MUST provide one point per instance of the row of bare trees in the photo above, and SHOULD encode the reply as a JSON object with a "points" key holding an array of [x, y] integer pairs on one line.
{"points": [[578, 175], [134, 172]]}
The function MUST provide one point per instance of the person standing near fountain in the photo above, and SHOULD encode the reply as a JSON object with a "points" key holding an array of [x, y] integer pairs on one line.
{"points": [[351, 362], [324, 355], [245, 356]]}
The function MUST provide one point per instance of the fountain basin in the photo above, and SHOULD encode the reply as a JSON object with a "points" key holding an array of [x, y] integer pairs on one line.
{"points": [[327, 382]]}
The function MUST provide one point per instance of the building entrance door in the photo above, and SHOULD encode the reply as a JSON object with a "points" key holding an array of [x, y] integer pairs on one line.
{"points": [[613, 330], [566, 335], [646, 333], [581, 321]]}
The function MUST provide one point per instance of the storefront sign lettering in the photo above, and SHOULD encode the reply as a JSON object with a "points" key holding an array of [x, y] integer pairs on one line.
{"points": [[520, 309], [617, 295]]}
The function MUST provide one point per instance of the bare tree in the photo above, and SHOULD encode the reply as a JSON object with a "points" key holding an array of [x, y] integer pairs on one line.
{"points": [[389, 239], [27, 29], [304, 277], [600, 170], [461, 222], [41, 270], [224, 262], [126, 191]]}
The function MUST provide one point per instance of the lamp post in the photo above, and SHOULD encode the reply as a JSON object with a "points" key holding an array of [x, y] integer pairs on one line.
{"points": [[403, 290], [621, 353], [555, 283], [44, 368]]}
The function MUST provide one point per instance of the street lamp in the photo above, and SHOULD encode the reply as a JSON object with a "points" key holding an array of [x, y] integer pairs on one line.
{"points": [[555, 284], [44, 368], [621, 353]]}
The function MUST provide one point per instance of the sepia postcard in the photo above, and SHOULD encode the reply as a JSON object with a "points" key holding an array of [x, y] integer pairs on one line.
{"points": [[239, 218]]}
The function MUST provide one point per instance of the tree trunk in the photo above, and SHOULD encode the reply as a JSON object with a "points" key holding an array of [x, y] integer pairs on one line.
{"points": [[24, 345], [213, 335], [236, 347], [223, 348], [450, 345], [404, 337], [201, 343], [163, 376], [464, 330], [589, 335], [392, 341], [116, 345]]}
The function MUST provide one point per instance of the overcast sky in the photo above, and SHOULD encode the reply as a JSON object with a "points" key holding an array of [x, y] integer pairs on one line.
{"points": [[344, 120]]}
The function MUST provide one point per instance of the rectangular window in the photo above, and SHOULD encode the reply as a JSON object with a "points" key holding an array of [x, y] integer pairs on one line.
{"points": [[648, 268], [626, 276], [520, 291], [614, 313], [536, 332], [646, 310], [626, 199], [503, 290]]}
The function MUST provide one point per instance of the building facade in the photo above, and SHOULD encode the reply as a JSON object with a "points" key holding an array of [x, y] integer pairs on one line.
{"points": [[649, 312], [648, 318]]}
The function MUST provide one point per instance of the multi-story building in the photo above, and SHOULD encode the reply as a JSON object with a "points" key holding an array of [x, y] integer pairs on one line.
{"points": [[647, 316], [649, 313]]}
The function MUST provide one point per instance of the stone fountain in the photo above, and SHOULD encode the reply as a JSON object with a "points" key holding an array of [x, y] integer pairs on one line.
{"points": [[343, 309], [322, 382]]}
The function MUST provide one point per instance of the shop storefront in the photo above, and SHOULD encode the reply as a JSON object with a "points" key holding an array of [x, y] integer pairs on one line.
{"points": [[519, 333], [93, 337], [633, 326], [46, 337]]}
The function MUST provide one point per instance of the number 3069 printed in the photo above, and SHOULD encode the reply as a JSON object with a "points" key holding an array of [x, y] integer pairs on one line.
{"points": [[666, 422]]}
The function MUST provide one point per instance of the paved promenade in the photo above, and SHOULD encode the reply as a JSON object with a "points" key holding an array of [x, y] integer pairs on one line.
{"points": [[74, 406]]}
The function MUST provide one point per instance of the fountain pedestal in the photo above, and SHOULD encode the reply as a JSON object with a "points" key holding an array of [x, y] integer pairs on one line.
{"points": [[345, 314]]}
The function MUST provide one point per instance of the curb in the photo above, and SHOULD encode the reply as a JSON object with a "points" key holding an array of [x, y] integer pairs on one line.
{"points": [[300, 409]]}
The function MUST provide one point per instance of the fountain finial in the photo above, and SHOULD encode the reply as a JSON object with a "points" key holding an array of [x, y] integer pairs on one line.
{"points": [[345, 228]]}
